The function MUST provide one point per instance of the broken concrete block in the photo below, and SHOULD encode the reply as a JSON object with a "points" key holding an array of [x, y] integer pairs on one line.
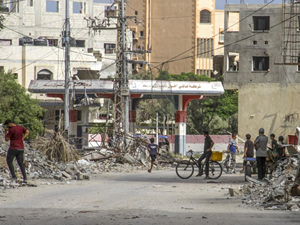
{"points": [[80, 176], [66, 175], [231, 192], [295, 208], [57, 176], [86, 177]]}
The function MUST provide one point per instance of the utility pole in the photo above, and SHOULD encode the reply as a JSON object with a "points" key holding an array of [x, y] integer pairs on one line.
{"points": [[67, 68], [121, 87], [121, 93], [157, 118], [125, 91]]}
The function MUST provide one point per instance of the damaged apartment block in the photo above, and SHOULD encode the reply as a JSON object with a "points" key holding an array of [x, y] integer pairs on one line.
{"points": [[261, 57]]}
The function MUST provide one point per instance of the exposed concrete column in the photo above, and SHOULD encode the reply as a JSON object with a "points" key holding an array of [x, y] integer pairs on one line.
{"points": [[132, 121], [180, 127], [180, 132], [180, 122]]}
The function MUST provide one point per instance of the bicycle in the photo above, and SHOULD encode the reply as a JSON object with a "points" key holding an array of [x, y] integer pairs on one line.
{"points": [[227, 163], [185, 168]]}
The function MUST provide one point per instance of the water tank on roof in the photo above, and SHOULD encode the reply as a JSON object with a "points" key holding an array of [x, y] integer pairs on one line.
{"points": [[26, 41], [41, 42]]}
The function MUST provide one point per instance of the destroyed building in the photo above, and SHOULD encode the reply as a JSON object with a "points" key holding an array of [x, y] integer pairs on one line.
{"points": [[261, 62]]}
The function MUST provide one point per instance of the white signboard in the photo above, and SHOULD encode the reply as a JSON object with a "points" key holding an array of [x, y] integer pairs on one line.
{"points": [[135, 87]]}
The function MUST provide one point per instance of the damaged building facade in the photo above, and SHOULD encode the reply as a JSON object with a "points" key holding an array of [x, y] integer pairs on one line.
{"points": [[32, 48], [187, 35], [256, 64]]}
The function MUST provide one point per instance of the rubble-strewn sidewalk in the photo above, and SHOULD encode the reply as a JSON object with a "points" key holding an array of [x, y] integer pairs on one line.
{"points": [[43, 163], [281, 192]]}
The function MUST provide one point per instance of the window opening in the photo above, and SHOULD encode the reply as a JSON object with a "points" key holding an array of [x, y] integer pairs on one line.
{"points": [[44, 75], [260, 63], [205, 16], [233, 61], [261, 23], [52, 6], [110, 48], [5, 42]]}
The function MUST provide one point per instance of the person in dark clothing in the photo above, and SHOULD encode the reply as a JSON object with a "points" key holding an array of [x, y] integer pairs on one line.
{"points": [[260, 144], [273, 142], [154, 151], [248, 150], [16, 135], [280, 148], [208, 144], [272, 151]]}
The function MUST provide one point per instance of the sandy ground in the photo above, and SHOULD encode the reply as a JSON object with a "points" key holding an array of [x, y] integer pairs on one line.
{"points": [[139, 198]]}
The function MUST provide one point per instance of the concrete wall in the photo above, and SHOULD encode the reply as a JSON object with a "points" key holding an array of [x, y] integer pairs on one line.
{"points": [[271, 106], [172, 33]]}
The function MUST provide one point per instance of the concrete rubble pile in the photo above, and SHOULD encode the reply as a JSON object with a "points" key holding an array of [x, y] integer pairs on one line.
{"points": [[281, 192], [40, 166]]}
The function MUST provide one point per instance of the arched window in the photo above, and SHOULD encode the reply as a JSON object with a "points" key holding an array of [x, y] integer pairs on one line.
{"points": [[205, 16], [44, 75]]}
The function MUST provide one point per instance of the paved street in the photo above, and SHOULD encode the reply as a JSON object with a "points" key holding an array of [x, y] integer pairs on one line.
{"points": [[139, 198]]}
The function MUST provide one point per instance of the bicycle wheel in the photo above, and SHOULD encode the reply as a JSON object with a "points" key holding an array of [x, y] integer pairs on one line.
{"points": [[184, 169], [247, 171], [227, 166], [215, 170]]}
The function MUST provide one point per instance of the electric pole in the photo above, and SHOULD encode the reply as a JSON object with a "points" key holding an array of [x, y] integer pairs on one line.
{"points": [[67, 68], [121, 88], [125, 91]]}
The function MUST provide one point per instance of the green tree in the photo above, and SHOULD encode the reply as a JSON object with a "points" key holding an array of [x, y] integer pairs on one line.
{"points": [[17, 105], [213, 113], [2, 19]]}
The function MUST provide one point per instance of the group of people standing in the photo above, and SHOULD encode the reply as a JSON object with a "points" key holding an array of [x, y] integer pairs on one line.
{"points": [[277, 150]]}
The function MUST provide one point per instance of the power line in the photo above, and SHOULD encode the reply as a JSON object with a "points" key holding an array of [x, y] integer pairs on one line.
{"points": [[265, 5], [175, 60]]}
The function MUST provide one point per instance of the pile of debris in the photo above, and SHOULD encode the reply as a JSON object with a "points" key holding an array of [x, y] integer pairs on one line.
{"points": [[52, 157], [281, 192]]}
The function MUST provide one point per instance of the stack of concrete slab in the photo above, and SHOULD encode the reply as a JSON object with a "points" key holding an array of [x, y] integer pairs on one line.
{"points": [[280, 192]]}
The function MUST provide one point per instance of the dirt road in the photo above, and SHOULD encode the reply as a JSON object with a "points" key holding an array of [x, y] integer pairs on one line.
{"points": [[139, 198]]}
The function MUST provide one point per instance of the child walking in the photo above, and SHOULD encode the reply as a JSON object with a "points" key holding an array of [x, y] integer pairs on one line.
{"points": [[154, 151]]}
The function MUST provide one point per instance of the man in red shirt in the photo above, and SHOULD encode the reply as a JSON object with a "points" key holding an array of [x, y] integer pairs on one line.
{"points": [[16, 135]]}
